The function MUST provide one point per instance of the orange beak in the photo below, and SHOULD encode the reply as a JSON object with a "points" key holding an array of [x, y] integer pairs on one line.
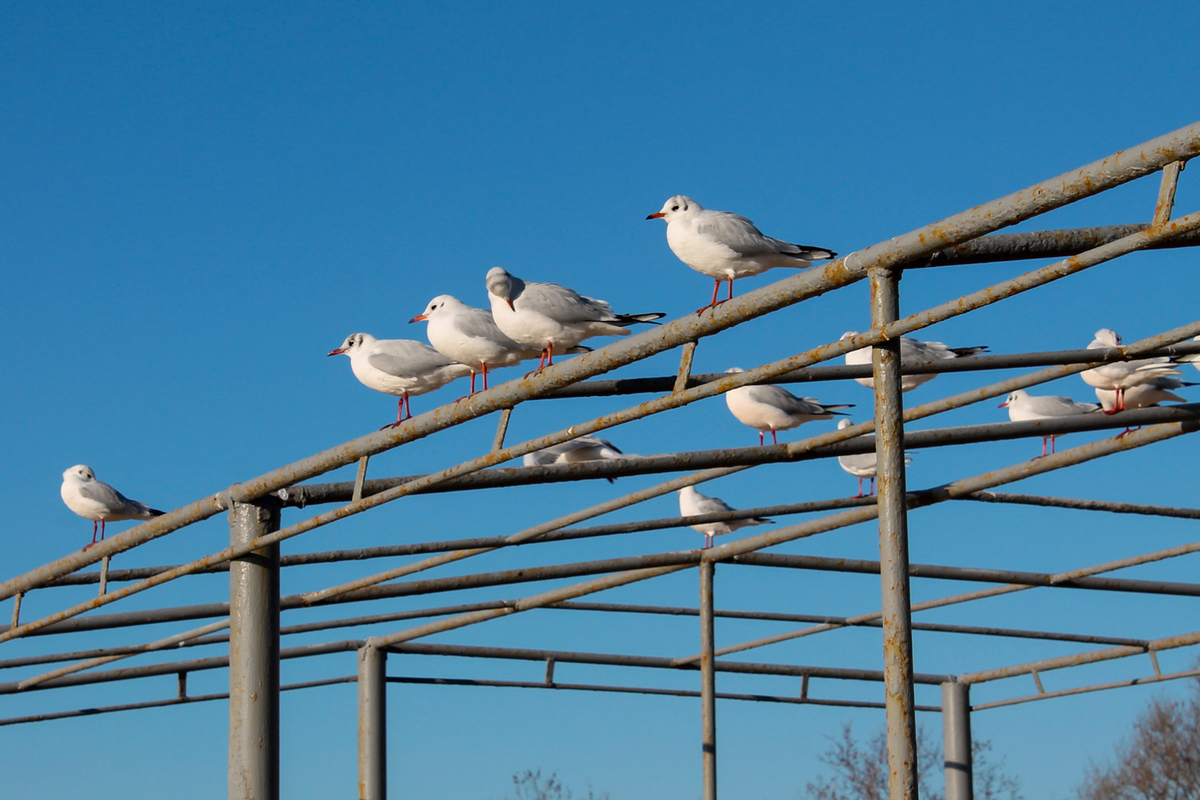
{"points": [[418, 318], [510, 305], [656, 215]]}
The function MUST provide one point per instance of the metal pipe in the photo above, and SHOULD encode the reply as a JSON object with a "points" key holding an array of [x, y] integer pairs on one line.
{"points": [[651, 662], [1099, 687], [175, 667], [1088, 505], [1166, 192], [708, 683], [591, 687], [254, 656], [372, 723], [1040, 244], [172, 701], [956, 740], [893, 541]]}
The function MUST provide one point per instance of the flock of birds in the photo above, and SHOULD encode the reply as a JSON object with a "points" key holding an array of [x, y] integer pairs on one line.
{"points": [[530, 320]]}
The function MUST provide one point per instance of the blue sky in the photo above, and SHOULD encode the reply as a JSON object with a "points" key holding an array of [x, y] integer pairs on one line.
{"points": [[202, 200]]}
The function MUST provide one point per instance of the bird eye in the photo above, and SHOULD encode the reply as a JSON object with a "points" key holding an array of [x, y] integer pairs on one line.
{"points": [[674, 208]]}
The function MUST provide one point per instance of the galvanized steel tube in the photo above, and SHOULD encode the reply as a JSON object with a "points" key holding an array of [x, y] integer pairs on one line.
{"points": [[708, 682], [254, 657], [956, 740], [372, 723], [893, 541]]}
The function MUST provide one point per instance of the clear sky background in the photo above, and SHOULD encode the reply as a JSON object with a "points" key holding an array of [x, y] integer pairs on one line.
{"points": [[201, 200]]}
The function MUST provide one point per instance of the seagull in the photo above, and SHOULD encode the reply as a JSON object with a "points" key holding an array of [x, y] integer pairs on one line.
{"points": [[770, 408], [726, 246], [912, 351], [861, 465], [469, 336], [1023, 407], [1146, 394], [581, 448], [400, 367], [1120, 376], [692, 503], [552, 317], [99, 502]]}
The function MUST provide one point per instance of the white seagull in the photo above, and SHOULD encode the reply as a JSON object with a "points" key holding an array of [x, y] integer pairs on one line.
{"points": [[692, 503], [99, 502], [582, 448], [552, 317], [1145, 395], [912, 351], [770, 408], [469, 336], [1023, 407], [399, 367], [726, 246], [1121, 376], [861, 465]]}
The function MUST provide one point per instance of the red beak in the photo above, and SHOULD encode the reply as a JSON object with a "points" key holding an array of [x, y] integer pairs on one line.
{"points": [[1002, 405], [656, 215], [337, 352], [418, 318], [510, 305]]}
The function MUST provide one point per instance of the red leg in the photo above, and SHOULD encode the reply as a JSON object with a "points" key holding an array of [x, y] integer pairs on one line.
{"points": [[859, 488], [773, 439], [760, 438], [484, 376], [472, 383], [872, 486], [730, 289], [102, 530], [707, 540], [549, 354]]}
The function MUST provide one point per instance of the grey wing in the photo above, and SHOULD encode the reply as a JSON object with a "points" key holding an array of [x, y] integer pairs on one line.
{"points": [[405, 358], [109, 497], [539, 458], [712, 505], [481, 324], [916, 350], [785, 400], [563, 304], [739, 235]]}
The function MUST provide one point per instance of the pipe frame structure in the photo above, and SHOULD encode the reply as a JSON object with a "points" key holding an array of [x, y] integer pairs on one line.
{"points": [[254, 523]]}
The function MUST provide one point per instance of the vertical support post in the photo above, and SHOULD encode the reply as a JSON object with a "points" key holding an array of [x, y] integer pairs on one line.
{"points": [[956, 740], [372, 723], [708, 679], [254, 656], [893, 543]]}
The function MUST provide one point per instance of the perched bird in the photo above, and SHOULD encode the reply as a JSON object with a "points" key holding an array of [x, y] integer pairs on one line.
{"points": [[725, 246], [469, 336], [99, 502], [1023, 407], [861, 465], [912, 351], [1146, 394], [770, 408], [552, 317], [582, 448], [400, 367], [692, 503], [1121, 376]]}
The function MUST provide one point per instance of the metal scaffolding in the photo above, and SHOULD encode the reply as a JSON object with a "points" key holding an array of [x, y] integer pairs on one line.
{"points": [[257, 509]]}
